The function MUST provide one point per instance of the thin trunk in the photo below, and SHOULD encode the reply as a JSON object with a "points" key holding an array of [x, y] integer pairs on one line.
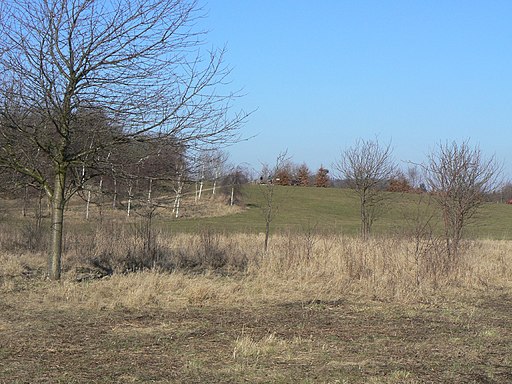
{"points": [[363, 218], [176, 209], [178, 206], [88, 204], [149, 189], [39, 212], [129, 200], [57, 208], [177, 189], [232, 195], [267, 234], [200, 189], [201, 182], [114, 199], [25, 201]]}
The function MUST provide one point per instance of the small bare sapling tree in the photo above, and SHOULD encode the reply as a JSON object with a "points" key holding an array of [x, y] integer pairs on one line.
{"points": [[459, 176], [367, 166], [267, 189]]}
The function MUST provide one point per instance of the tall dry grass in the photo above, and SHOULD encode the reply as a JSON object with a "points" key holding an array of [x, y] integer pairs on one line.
{"points": [[140, 266]]}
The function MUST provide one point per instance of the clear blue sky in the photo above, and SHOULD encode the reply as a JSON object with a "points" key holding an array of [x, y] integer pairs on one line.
{"points": [[323, 73]]}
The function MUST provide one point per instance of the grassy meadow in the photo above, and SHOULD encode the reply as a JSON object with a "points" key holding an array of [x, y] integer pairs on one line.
{"points": [[336, 211], [196, 300]]}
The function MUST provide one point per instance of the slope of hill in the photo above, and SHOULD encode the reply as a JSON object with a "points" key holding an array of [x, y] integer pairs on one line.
{"points": [[337, 210]]}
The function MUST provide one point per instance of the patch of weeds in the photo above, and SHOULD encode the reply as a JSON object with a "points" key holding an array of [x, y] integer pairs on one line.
{"points": [[246, 347]]}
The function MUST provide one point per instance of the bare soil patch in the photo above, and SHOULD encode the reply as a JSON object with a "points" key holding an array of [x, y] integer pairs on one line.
{"points": [[463, 340]]}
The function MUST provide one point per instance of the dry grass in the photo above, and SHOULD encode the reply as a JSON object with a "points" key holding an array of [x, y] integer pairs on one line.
{"points": [[214, 308], [205, 268], [190, 207]]}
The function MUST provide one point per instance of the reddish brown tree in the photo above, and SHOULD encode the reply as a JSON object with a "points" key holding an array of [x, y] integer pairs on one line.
{"points": [[283, 176], [399, 184], [303, 175], [322, 177]]}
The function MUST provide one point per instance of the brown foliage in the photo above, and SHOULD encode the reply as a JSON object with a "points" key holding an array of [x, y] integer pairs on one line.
{"points": [[399, 185], [303, 175], [322, 178]]}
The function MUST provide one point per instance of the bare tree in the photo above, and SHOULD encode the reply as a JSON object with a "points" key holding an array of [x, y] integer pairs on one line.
{"points": [[506, 193], [367, 166], [459, 176], [267, 189], [137, 62], [233, 182], [217, 164]]}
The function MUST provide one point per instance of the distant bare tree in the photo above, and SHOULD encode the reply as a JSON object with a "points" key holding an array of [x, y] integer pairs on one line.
{"points": [[138, 63], [270, 207], [506, 192], [233, 182], [413, 176], [459, 176], [367, 166], [218, 160]]}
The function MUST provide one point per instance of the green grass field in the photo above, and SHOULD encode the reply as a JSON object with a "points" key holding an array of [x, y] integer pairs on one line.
{"points": [[337, 210]]}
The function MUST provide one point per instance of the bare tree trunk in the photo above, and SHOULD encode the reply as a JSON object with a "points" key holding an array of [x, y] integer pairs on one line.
{"points": [[57, 208], [88, 204], [149, 189], [178, 190], [267, 234], [129, 199], [39, 212], [201, 183], [25, 201], [177, 200], [114, 198]]}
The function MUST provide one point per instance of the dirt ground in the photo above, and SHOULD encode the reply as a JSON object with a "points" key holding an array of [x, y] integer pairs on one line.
{"points": [[344, 341]]}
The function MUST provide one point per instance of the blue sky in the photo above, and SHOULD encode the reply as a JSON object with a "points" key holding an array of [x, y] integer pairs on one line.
{"points": [[321, 74]]}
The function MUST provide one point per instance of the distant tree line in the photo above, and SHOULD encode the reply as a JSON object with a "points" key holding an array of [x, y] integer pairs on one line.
{"points": [[290, 174]]}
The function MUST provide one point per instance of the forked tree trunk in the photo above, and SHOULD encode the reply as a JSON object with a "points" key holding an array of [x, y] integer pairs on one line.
{"points": [[58, 203]]}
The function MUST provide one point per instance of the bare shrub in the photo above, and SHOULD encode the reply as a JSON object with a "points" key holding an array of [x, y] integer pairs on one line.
{"points": [[367, 166], [211, 251], [26, 237], [210, 266], [459, 177], [114, 249]]}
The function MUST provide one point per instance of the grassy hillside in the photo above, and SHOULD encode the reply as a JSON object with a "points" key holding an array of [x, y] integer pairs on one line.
{"points": [[325, 210], [337, 210]]}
